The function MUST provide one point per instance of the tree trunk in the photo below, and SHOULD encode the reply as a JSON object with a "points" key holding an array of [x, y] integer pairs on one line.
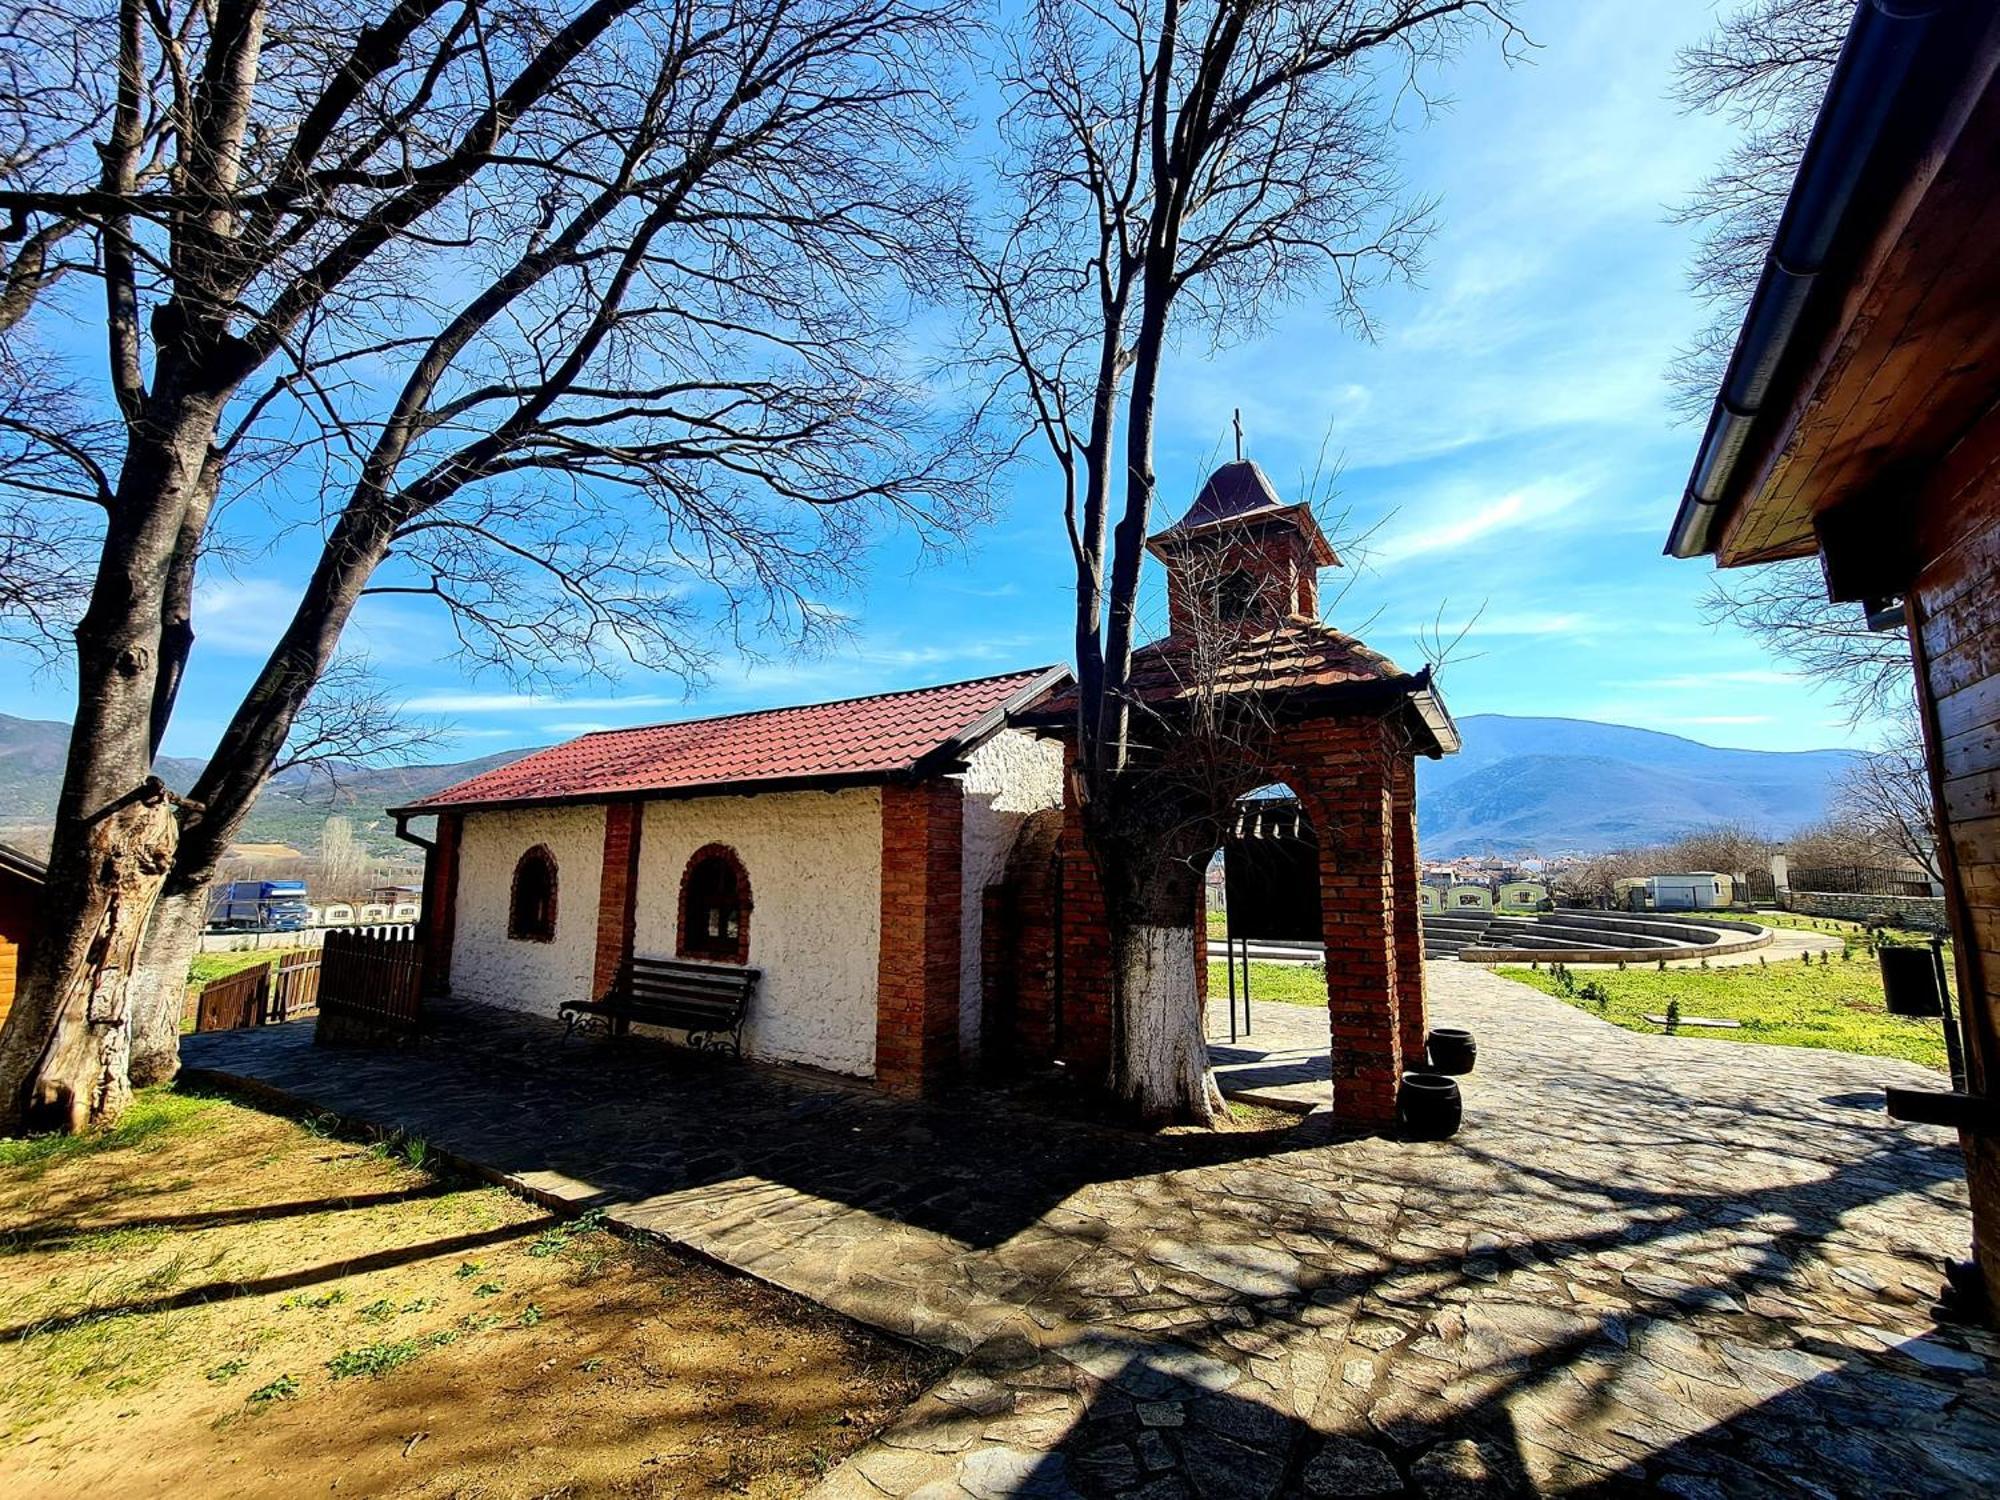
{"points": [[101, 868], [77, 1079], [1162, 1062], [158, 994]]}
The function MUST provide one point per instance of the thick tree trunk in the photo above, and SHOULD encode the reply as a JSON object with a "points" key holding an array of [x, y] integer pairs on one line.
{"points": [[1162, 1063], [158, 991], [102, 878], [77, 1078]]}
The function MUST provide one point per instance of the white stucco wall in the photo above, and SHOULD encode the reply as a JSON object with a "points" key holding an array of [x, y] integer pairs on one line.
{"points": [[1010, 776], [815, 866], [489, 966]]}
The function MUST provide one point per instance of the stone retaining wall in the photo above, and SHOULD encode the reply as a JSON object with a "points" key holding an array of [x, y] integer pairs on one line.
{"points": [[1924, 912]]}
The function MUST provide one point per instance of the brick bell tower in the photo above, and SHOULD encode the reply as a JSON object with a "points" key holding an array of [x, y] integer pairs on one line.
{"points": [[1241, 557]]}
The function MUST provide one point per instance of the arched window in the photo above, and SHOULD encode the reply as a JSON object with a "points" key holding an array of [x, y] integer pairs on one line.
{"points": [[531, 908], [715, 907]]}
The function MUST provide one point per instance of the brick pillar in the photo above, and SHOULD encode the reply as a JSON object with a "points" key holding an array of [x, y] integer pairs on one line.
{"points": [[441, 902], [617, 892], [1409, 922], [916, 987], [1084, 981], [1354, 813]]}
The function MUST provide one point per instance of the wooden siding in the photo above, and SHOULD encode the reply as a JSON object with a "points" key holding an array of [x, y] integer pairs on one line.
{"points": [[18, 896], [1956, 611], [1907, 361]]}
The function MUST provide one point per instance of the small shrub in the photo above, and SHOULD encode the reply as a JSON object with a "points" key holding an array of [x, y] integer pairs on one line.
{"points": [[380, 1358], [284, 1388], [1673, 1014], [468, 1269], [229, 1369], [488, 1289], [1661, 965], [379, 1311], [416, 1152], [530, 1315], [1594, 993]]}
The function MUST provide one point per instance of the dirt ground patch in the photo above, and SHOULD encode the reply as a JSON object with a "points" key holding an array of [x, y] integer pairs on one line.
{"points": [[218, 1301]]}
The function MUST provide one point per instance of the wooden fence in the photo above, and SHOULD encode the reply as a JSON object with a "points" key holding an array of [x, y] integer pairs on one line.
{"points": [[371, 984], [261, 996]]}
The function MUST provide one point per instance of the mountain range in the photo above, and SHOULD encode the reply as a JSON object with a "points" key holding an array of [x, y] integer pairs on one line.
{"points": [[1554, 785], [1520, 784]]}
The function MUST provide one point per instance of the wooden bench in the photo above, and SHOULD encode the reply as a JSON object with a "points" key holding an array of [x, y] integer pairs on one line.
{"points": [[707, 1001]]}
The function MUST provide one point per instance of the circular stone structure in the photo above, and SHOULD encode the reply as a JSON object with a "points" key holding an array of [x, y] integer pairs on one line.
{"points": [[1591, 937]]}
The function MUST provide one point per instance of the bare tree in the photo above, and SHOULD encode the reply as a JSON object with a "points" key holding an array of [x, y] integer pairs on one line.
{"points": [[1887, 796], [344, 864], [1731, 848], [1764, 67], [1177, 169], [1784, 607], [580, 322], [349, 720]]}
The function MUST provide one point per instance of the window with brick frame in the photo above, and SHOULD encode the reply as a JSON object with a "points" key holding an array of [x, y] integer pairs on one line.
{"points": [[531, 903], [715, 907]]}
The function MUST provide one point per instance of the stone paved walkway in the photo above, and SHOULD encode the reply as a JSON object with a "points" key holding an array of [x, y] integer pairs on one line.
{"points": [[1646, 1265]]}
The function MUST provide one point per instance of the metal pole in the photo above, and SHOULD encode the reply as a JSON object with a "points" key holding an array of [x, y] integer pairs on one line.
{"points": [[1246, 986], [1229, 963], [1953, 1052]]}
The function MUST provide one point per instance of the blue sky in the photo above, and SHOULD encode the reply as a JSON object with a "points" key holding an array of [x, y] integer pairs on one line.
{"points": [[1509, 435]]}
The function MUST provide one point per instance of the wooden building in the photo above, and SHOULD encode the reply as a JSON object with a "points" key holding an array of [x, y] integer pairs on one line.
{"points": [[20, 891], [1859, 422]]}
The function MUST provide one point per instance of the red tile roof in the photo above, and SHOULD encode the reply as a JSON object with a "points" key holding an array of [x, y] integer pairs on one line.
{"points": [[855, 740], [1287, 659]]}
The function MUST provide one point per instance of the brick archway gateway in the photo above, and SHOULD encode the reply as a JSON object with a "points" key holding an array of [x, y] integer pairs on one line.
{"points": [[1355, 780], [1339, 724]]}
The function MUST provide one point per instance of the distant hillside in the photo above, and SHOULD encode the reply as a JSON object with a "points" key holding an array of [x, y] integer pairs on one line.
{"points": [[1556, 784], [1519, 784], [290, 812]]}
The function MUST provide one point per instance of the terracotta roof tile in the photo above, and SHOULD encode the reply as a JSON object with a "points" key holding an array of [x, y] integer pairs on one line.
{"points": [[856, 739], [1287, 659]]}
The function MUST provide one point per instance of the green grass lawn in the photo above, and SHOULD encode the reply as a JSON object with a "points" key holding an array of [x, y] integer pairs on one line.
{"points": [[1289, 984], [207, 966], [1835, 1005]]}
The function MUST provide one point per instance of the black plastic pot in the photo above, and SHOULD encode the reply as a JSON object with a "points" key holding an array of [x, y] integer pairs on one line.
{"points": [[1450, 1049], [1428, 1106], [1909, 982]]}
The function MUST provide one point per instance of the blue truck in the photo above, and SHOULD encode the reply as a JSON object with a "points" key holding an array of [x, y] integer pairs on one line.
{"points": [[260, 906]]}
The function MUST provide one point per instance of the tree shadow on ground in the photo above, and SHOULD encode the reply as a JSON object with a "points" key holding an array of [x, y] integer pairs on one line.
{"points": [[1483, 1393], [636, 1119]]}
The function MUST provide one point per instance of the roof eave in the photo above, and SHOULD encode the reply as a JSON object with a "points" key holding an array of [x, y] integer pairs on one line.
{"points": [[1820, 214]]}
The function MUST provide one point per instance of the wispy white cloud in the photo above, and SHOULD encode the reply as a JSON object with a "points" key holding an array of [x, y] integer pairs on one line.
{"points": [[1506, 624], [242, 616], [1447, 521], [503, 703], [578, 726], [1745, 677]]}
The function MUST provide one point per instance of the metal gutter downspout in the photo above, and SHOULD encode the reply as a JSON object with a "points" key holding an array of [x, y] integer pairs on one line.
{"points": [[1869, 75]]}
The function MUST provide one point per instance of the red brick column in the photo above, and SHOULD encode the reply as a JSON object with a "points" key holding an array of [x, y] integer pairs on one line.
{"points": [[916, 987], [617, 892], [441, 902], [1409, 922], [1085, 980], [1341, 770]]}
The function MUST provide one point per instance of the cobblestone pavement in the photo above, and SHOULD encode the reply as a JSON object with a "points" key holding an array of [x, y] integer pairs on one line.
{"points": [[1646, 1264]]}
